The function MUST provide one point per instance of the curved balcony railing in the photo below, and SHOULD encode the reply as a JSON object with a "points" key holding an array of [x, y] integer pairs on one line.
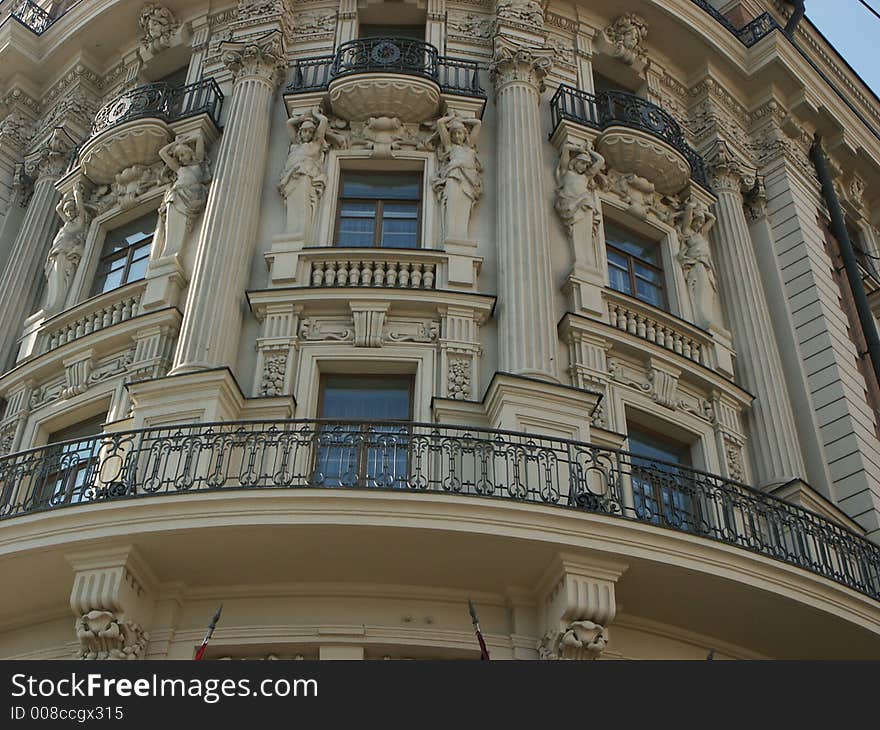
{"points": [[33, 17], [750, 33], [387, 55], [417, 457], [162, 101], [609, 108]]}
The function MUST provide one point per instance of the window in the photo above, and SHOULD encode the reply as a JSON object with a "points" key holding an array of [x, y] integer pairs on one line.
{"points": [[370, 30], [634, 265], [663, 490], [125, 254], [363, 455], [65, 474], [379, 209]]}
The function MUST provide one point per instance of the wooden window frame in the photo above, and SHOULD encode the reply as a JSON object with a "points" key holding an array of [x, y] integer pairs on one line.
{"points": [[631, 272], [380, 205]]}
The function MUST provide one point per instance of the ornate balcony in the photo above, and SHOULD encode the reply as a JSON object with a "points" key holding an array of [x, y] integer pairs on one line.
{"points": [[131, 129], [395, 77], [432, 458], [637, 136], [34, 18], [750, 33]]}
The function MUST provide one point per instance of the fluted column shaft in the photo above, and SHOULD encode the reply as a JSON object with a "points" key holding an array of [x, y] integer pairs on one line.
{"points": [[526, 320], [773, 436], [212, 320], [21, 276]]}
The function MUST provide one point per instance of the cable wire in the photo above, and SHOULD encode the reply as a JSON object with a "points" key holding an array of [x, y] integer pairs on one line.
{"points": [[872, 10]]}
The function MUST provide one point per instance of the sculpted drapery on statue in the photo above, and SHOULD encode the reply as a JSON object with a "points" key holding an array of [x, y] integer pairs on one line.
{"points": [[459, 180], [67, 249], [186, 197], [578, 175], [693, 224], [303, 180]]}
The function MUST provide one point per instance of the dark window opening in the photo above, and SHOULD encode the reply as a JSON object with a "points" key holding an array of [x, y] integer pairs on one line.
{"points": [[634, 265], [379, 210], [125, 254]]}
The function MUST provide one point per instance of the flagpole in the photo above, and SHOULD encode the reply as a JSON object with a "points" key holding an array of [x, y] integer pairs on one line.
{"points": [[200, 652], [484, 651]]}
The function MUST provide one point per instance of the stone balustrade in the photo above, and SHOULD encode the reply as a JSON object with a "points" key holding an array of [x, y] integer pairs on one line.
{"points": [[93, 315], [395, 270], [659, 328]]}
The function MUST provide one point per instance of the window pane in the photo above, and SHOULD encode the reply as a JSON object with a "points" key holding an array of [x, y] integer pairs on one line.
{"points": [[355, 398], [111, 281], [388, 186], [400, 233], [648, 274], [137, 271], [619, 280], [633, 243], [650, 293]]}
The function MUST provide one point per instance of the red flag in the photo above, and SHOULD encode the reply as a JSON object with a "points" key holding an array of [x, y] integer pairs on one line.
{"points": [[200, 652], [484, 652]]}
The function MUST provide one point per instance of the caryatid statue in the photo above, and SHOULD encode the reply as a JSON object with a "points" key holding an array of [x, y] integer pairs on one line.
{"points": [[303, 180], [578, 175], [67, 249], [187, 195], [459, 180], [693, 224]]}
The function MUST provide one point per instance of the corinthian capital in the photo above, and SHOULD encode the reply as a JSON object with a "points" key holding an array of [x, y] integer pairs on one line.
{"points": [[51, 159], [514, 63], [728, 174], [259, 58]]}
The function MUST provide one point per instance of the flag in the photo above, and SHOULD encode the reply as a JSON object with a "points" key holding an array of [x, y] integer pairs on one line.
{"points": [[200, 652], [484, 652]]}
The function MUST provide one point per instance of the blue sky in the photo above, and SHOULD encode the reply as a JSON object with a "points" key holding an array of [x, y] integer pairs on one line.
{"points": [[853, 31]]}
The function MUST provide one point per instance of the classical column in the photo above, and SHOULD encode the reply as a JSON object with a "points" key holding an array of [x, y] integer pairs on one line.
{"points": [[213, 316], [773, 435], [527, 323], [29, 250]]}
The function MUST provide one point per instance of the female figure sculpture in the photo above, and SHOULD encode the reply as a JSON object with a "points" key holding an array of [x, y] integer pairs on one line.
{"points": [[693, 224], [578, 175], [187, 195], [459, 180], [303, 181], [67, 249]]}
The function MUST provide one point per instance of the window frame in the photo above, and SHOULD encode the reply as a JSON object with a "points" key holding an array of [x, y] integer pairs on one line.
{"points": [[365, 450], [631, 272], [65, 481], [126, 252], [380, 203]]}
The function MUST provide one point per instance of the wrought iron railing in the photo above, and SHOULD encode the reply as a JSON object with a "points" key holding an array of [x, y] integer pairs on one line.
{"points": [[749, 34], [393, 55], [163, 101], [609, 108], [424, 457]]}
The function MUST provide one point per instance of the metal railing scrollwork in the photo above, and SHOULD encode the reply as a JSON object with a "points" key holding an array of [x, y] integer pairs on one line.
{"points": [[424, 457], [163, 101], [405, 56], [609, 108]]}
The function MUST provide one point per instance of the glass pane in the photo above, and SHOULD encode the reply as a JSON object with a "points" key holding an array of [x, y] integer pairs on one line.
{"points": [[137, 271], [355, 232], [353, 397], [650, 294], [387, 186], [619, 280], [661, 491], [632, 243], [111, 280], [649, 274], [130, 233], [400, 233]]}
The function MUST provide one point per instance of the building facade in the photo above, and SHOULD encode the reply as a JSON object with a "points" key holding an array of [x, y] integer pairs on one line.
{"points": [[340, 312]]}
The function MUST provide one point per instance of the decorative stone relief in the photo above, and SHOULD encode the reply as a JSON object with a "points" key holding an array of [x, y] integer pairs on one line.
{"points": [[303, 180], [469, 27], [638, 193], [50, 159], [187, 195], [579, 640], [67, 248], [79, 376], [664, 387], [384, 136], [315, 24], [459, 378], [459, 180], [369, 322], [104, 636], [578, 175], [529, 13], [274, 371], [413, 332], [322, 331], [13, 131], [160, 29], [733, 454], [128, 186], [624, 40], [76, 376], [693, 224]]}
